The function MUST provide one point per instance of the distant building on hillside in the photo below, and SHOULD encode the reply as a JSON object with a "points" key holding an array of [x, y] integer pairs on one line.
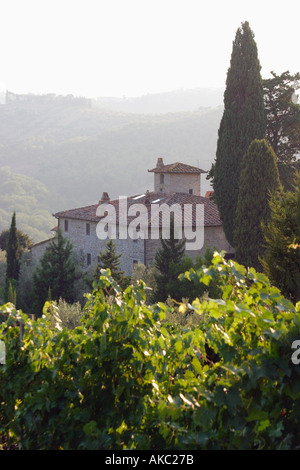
{"points": [[177, 186]]}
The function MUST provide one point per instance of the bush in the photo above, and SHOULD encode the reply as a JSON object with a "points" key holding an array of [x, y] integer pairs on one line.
{"points": [[127, 379]]}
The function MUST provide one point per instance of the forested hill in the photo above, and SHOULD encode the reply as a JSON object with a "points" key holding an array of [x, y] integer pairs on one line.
{"points": [[63, 152]]}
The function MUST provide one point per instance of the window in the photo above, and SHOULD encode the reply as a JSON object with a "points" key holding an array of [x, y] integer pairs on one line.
{"points": [[190, 191], [88, 259], [87, 229], [161, 179], [66, 225]]}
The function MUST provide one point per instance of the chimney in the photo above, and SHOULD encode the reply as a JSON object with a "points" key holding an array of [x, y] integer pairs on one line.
{"points": [[104, 197], [147, 198], [160, 163]]}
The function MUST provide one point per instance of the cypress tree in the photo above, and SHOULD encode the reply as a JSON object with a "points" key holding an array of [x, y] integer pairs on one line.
{"points": [[243, 121], [12, 260], [12, 252], [258, 181]]}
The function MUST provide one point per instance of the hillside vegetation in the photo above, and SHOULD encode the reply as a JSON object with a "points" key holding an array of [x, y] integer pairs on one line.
{"points": [[63, 152]]}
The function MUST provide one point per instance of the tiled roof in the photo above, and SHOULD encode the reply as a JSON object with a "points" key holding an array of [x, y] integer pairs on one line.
{"points": [[43, 242], [177, 168], [88, 213]]}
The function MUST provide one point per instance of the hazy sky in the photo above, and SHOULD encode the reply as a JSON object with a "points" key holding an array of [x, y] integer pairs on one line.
{"points": [[134, 47]]}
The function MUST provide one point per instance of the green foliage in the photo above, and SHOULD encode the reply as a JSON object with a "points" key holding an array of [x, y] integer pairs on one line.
{"points": [[12, 262], [243, 121], [259, 179], [168, 263], [110, 259], [2, 273], [283, 115], [65, 314], [12, 252], [12, 293], [213, 289], [26, 195], [56, 272], [24, 240], [147, 275], [281, 261], [287, 174], [126, 379], [176, 287]]}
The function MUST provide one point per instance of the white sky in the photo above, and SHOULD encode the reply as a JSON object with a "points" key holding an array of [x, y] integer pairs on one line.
{"points": [[133, 47]]}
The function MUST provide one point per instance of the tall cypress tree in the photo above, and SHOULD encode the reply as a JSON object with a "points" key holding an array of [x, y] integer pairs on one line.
{"points": [[12, 259], [12, 251], [243, 121], [259, 180]]}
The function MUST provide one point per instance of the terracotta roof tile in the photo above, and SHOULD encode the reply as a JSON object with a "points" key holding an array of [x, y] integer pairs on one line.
{"points": [[177, 168], [88, 213]]}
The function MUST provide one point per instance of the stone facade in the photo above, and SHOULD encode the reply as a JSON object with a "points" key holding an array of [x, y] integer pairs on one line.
{"points": [[176, 178], [38, 250], [83, 236], [213, 238], [177, 183]]}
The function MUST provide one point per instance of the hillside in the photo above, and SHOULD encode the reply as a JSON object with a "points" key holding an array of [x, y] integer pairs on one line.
{"points": [[177, 101], [62, 152]]}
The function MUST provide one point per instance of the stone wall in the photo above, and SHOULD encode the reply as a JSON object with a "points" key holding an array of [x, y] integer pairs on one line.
{"points": [[38, 250], [87, 245], [213, 238], [177, 183], [90, 245]]}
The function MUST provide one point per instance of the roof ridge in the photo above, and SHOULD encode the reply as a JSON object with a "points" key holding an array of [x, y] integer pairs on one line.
{"points": [[88, 213], [177, 167]]}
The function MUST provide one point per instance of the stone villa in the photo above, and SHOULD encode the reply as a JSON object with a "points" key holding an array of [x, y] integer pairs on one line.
{"points": [[174, 184]]}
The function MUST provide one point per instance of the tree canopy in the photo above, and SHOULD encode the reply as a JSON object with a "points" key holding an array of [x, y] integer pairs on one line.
{"points": [[259, 179], [243, 121], [167, 261], [283, 115], [25, 242], [55, 274], [110, 259], [12, 262], [12, 252], [281, 261]]}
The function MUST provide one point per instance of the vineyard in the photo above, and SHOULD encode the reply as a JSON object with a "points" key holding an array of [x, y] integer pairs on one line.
{"points": [[131, 378]]}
